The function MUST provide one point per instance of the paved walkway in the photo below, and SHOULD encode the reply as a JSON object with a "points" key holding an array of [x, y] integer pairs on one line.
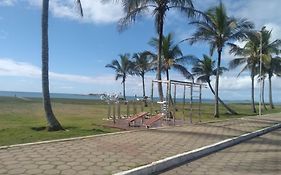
{"points": [[115, 153], [260, 156]]}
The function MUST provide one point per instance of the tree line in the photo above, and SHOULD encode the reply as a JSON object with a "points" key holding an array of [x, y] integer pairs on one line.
{"points": [[213, 26]]}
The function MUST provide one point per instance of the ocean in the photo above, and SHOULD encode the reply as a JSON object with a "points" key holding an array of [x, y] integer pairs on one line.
{"points": [[53, 95], [92, 97]]}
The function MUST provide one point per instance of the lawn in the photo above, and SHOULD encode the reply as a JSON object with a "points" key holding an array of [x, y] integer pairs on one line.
{"points": [[23, 121]]}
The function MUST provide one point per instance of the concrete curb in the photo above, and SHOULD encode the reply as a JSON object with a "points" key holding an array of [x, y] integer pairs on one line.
{"points": [[189, 156]]}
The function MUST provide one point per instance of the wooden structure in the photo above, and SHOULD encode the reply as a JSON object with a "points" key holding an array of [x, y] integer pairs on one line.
{"points": [[152, 120], [134, 118], [134, 113], [195, 93]]}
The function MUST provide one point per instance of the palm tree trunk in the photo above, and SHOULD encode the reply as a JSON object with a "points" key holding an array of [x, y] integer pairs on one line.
{"points": [[124, 88], [167, 74], [253, 93], [270, 92], [217, 115], [160, 33], [264, 106], [143, 90], [231, 111], [53, 123], [143, 85]]}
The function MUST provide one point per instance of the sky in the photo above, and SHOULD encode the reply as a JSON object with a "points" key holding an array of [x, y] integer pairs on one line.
{"points": [[81, 47]]}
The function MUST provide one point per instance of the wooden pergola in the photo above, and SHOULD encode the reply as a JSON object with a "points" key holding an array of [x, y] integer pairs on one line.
{"points": [[170, 102]]}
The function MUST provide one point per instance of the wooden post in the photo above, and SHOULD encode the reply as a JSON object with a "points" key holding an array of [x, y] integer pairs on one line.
{"points": [[174, 105], [151, 98], [109, 110], [114, 116], [141, 105], [128, 109], [168, 95], [168, 92], [175, 93], [200, 101], [118, 109], [183, 104], [134, 107], [191, 100]]}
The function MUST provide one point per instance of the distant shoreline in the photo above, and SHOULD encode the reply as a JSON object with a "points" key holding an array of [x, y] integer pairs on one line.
{"points": [[95, 96]]}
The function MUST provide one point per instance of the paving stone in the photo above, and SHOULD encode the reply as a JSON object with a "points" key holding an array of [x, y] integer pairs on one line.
{"points": [[46, 167], [78, 167], [42, 162], [68, 172], [248, 158], [16, 171], [3, 171], [51, 172], [86, 172], [31, 166], [114, 153], [73, 163], [34, 171], [57, 163]]}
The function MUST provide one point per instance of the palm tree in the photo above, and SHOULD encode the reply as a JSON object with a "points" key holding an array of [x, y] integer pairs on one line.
{"points": [[172, 56], [273, 69], [53, 123], [122, 69], [249, 58], [142, 65], [261, 79], [274, 66], [159, 8], [218, 29], [204, 69]]}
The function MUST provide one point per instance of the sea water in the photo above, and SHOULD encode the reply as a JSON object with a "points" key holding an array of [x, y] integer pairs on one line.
{"points": [[53, 95]]}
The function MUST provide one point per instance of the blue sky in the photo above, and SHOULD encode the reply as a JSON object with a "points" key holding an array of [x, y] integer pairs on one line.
{"points": [[80, 48]]}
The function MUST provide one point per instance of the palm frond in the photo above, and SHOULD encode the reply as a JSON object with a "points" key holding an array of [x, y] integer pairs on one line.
{"points": [[187, 59], [217, 28], [235, 49], [185, 6], [183, 70], [221, 70], [79, 5], [246, 67], [203, 79], [131, 15], [123, 67], [237, 62], [118, 76]]}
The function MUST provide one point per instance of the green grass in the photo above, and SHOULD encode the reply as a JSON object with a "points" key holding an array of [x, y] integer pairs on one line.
{"points": [[23, 121], [207, 111]]}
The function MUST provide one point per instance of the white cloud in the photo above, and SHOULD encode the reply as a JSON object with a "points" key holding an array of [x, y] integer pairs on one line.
{"points": [[16, 72], [9, 67], [260, 11], [7, 2], [94, 11], [235, 83]]}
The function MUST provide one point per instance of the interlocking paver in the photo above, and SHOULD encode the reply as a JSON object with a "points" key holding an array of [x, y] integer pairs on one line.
{"points": [[69, 172], [114, 153], [259, 156], [63, 167]]}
